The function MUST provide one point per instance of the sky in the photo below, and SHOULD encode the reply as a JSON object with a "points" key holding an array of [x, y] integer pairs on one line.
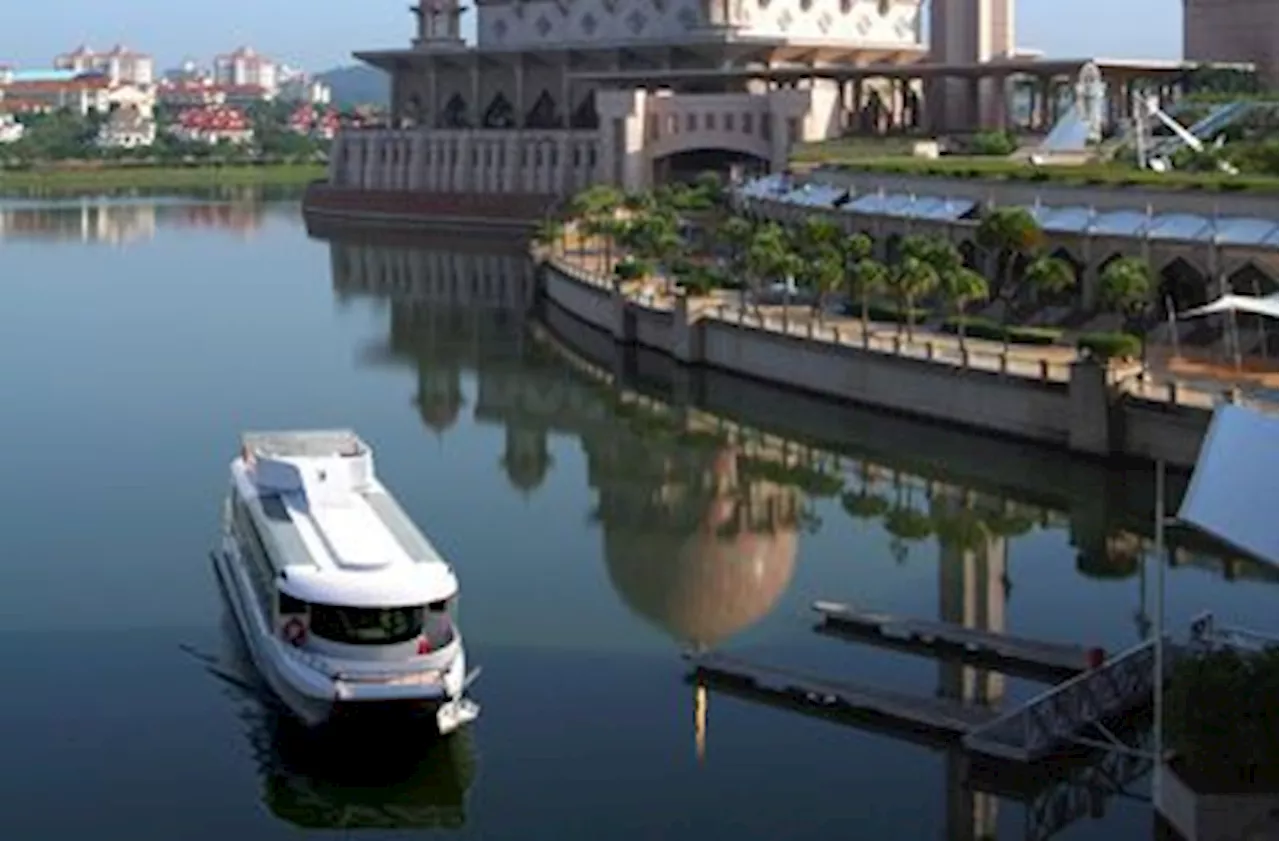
{"points": [[319, 34]]}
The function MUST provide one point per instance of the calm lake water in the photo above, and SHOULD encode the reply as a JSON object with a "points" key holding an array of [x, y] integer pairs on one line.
{"points": [[605, 513]]}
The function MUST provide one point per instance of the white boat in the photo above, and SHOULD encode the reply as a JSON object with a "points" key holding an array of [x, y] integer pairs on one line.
{"points": [[344, 605]]}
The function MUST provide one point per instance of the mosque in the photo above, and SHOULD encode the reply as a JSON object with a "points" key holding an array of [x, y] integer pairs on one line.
{"points": [[559, 94]]}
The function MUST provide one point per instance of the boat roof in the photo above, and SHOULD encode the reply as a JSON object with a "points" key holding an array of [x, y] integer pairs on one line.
{"points": [[299, 443], [335, 534]]}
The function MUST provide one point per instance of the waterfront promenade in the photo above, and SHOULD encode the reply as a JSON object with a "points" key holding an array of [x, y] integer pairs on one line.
{"points": [[1043, 393], [1048, 363]]}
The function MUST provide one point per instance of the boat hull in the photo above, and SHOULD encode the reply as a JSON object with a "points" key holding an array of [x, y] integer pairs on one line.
{"points": [[435, 709]]}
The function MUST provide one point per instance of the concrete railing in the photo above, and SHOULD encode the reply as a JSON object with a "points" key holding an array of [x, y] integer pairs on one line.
{"points": [[1065, 401], [943, 350]]}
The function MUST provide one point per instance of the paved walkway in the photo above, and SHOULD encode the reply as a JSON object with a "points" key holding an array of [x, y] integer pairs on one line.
{"points": [[1044, 362]]}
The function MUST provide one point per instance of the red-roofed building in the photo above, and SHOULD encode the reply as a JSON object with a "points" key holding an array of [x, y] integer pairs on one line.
{"points": [[81, 94], [213, 124], [322, 125], [189, 93]]}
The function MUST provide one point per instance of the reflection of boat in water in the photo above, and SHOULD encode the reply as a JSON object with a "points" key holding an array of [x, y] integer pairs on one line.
{"points": [[331, 780], [345, 606]]}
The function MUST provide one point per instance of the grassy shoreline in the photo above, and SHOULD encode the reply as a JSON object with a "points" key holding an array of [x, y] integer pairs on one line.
{"points": [[157, 177], [1003, 169]]}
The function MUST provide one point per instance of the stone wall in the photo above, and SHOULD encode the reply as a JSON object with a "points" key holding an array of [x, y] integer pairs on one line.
{"points": [[1081, 409]]}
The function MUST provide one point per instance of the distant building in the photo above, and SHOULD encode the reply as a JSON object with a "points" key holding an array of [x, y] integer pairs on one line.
{"points": [[119, 65], [297, 86], [245, 95], [188, 71], [127, 128], [1233, 30], [11, 130], [141, 98], [34, 91], [189, 93], [243, 67], [213, 125], [321, 125]]}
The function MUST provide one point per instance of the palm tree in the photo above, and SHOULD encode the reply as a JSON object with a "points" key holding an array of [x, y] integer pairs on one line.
{"points": [[825, 274], [962, 286], [912, 279], [768, 256], [1126, 287], [870, 277], [549, 233], [736, 232], [856, 248], [1050, 275], [1012, 234]]}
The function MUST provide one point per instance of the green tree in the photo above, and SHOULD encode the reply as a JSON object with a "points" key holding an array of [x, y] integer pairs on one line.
{"points": [[912, 279], [1049, 275], [770, 257], [1126, 288], [817, 243], [550, 233], [869, 278], [1012, 235], [962, 287]]}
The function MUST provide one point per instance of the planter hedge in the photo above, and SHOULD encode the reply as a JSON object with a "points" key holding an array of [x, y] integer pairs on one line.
{"points": [[984, 328], [1110, 345]]}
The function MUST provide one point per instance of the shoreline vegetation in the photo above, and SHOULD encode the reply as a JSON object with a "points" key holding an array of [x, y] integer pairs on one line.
{"points": [[1003, 169], [689, 238], [65, 178]]}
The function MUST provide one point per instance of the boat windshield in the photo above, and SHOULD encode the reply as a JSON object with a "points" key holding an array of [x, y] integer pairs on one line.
{"points": [[383, 626]]}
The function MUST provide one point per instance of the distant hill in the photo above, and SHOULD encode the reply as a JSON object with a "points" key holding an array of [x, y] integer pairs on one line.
{"points": [[358, 85]]}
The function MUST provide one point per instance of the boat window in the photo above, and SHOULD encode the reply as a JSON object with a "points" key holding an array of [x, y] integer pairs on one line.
{"points": [[366, 626], [290, 606], [437, 624]]}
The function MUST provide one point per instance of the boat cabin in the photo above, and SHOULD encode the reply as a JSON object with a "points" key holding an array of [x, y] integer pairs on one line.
{"points": [[336, 564]]}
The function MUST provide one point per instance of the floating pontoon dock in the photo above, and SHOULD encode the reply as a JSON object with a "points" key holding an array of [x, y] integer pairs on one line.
{"points": [[937, 637], [1076, 712]]}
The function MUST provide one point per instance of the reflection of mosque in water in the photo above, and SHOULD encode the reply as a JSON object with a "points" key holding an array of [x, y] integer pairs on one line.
{"points": [[692, 544], [700, 515], [123, 221], [340, 782]]}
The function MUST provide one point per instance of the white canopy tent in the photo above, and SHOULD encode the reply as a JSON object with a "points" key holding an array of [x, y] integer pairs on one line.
{"points": [[1268, 306]]}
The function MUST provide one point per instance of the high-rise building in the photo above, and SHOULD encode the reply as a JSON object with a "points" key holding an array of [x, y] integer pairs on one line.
{"points": [[119, 64]]}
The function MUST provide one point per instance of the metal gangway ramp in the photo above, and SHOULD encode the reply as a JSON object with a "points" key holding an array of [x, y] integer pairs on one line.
{"points": [[1073, 711]]}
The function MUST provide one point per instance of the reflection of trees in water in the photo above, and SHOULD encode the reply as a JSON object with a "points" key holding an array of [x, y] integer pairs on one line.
{"points": [[910, 512], [1119, 556]]}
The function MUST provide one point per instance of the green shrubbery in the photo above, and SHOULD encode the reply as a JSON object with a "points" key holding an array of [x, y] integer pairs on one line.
{"points": [[977, 327], [1104, 346], [1221, 720], [895, 315], [992, 143]]}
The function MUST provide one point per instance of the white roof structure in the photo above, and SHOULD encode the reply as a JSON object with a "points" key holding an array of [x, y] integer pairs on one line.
{"points": [[1268, 305], [1234, 493], [339, 536]]}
